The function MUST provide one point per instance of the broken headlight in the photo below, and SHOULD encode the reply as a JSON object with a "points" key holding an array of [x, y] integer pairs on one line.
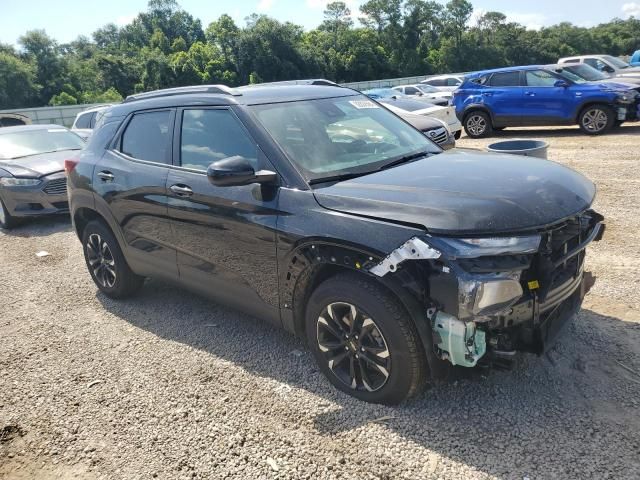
{"points": [[484, 295], [488, 246]]}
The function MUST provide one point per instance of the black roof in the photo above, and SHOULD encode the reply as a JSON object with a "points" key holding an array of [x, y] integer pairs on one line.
{"points": [[249, 95], [26, 128]]}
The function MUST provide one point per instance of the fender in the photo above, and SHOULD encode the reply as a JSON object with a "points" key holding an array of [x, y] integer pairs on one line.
{"points": [[476, 106], [600, 99]]}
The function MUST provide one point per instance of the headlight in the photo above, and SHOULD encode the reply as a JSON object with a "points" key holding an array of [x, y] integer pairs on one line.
{"points": [[481, 247], [19, 182], [487, 294]]}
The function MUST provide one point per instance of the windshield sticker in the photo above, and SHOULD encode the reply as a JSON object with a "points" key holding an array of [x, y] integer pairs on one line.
{"points": [[363, 104]]}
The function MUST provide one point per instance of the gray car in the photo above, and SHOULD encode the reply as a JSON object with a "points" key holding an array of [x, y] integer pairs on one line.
{"points": [[32, 179]]}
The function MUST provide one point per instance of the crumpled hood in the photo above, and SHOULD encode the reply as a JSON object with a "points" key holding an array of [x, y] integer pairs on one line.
{"points": [[37, 165], [466, 191]]}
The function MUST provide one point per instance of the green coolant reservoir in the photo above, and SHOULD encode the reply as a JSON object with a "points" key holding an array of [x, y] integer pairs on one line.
{"points": [[460, 342]]}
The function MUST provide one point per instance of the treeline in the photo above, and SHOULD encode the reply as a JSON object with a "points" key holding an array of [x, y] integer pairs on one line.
{"points": [[166, 46]]}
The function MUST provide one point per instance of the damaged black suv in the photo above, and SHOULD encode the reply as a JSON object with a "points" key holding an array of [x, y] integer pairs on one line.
{"points": [[316, 208]]}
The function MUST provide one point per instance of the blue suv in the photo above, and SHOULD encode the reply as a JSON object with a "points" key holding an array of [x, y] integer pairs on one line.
{"points": [[537, 96]]}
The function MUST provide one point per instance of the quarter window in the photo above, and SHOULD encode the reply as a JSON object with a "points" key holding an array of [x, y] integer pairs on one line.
{"points": [[83, 121], [505, 79], [148, 137], [540, 78], [210, 135]]}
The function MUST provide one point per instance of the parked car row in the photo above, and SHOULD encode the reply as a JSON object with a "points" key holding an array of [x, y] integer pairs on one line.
{"points": [[568, 93], [316, 208]]}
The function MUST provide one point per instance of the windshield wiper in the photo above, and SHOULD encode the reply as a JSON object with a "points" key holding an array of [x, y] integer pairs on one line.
{"points": [[405, 158], [338, 178]]}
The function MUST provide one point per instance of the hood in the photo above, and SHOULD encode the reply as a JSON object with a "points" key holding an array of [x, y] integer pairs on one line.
{"points": [[37, 165], [421, 122], [617, 84], [466, 191]]}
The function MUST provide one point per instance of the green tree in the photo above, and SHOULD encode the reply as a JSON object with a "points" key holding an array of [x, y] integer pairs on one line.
{"points": [[63, 98], [17, 83], [42, 52]]}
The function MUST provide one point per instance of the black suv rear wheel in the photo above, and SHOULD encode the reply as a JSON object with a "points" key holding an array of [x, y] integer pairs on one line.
{"points": [[364, 341], [106, 263], [596, 119], [7, 222], [478, 124]]}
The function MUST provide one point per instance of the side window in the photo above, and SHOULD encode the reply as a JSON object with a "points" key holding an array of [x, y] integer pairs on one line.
{"points": [[572, 60], [411, 90], [540, 78], [92, 121], [436, 82], [148, 137], [84, 121], [453, 82], [595, 63], [505, 79], [210, 135]]}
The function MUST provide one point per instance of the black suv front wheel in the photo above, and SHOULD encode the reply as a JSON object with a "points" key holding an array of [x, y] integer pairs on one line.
{"points": [[597, 119], [106, 263], [7, 222], [364, 341], [478, 124]]}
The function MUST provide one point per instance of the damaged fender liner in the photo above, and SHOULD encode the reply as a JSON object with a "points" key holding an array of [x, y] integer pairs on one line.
{"points": [[412, 249]]}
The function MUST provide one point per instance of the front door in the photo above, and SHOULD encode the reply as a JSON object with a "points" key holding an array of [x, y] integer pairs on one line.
{"points": [[546, 104], [224, 236], [131, 180], [504, 96]]}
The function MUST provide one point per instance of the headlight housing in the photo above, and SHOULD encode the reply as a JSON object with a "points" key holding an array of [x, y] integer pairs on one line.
{"points": [[483, 295], [482, 247], [19, 182]]}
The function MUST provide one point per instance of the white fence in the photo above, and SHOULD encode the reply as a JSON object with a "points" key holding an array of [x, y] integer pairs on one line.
{"points": [[62, 115]]}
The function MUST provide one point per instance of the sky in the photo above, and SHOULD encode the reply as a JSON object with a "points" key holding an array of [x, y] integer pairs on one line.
{"points": [[64, 20]]}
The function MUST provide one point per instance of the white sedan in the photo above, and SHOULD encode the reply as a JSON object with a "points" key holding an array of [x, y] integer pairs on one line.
{"points": [[446, 114]]}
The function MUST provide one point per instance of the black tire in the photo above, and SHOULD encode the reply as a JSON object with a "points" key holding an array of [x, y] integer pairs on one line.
{"points": [[385, 328], [596, 119], [618, 123], [457, 135], [112, 274], [477, 124], [7, 221]]}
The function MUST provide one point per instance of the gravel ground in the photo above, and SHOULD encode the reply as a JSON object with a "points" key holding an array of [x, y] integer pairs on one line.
{"points": [[168, 385]]}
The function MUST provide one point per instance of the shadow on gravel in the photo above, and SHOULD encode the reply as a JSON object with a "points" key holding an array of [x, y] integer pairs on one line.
{"points": [[624, 130], [582, 397], [40, 227]]}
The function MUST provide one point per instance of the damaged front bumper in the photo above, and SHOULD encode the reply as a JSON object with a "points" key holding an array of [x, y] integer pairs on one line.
{"points": [[515, 296]]}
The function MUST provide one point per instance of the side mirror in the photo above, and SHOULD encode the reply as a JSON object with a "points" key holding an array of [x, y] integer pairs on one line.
{"points": [[561, 83], [608, 69], [236, 171]]}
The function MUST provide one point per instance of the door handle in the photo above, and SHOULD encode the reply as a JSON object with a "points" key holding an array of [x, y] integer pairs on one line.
{"points": [[106, 176], [531, 94], [181, 190], [487, 94]]}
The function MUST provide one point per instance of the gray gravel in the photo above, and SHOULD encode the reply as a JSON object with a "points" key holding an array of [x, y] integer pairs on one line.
{"points": [[168, 385]]}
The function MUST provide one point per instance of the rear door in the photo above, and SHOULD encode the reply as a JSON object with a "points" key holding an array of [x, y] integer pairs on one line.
{"points": [[504, 95], [547, 104], [131, 180], [225, 236]]}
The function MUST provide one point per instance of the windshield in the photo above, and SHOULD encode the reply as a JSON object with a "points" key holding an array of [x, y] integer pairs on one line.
{"points": [[586, 71], [568, 74], [616, 62], [34, 142], [427, 88], [340, 136]]}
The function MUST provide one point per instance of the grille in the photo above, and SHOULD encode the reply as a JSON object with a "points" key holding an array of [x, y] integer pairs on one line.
{"points": [[438, 135], [56, 187], [549, 267]]}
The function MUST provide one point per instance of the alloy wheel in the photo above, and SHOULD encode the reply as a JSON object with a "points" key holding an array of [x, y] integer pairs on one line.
{"points": [[476, 124], [595, 120], [101, 260], [354, 347]]}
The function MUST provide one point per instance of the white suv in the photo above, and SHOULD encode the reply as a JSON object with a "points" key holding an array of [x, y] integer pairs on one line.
{"points": [[86, 120], [605, 63]]}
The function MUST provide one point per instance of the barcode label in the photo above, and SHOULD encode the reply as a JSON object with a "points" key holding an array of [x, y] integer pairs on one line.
{"points": [[363, 104]]}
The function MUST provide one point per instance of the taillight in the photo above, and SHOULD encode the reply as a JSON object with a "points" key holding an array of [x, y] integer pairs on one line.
{"points": [[69, 165]]}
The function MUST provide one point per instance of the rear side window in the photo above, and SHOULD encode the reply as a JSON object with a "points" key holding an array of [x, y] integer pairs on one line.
{"points": [[148, 137], [210, 135], [540, 78], [453, 82], [572, 60], [411, 91], [436, 82], [505, 79], [596, 63], [84, 121]]}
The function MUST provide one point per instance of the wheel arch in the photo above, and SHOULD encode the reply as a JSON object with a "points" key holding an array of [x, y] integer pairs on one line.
{"points": [[476, 107], [590, 103], [315, 262]]}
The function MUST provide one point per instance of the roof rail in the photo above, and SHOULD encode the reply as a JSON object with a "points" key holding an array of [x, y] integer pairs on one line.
{"points": [[312, 81], [167, 92]]}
